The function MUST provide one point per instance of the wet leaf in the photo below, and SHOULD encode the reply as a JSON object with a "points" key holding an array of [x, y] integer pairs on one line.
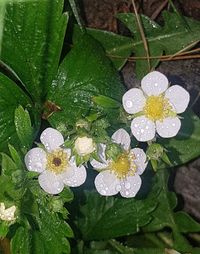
{"points": [[109, 217], [186, 145], [32, 41], [11, 96], [84, 73], [170, 38]]}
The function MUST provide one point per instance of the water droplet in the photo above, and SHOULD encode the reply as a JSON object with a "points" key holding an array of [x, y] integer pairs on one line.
{"points": [[127, 185], [129, 104], [118, 187]]}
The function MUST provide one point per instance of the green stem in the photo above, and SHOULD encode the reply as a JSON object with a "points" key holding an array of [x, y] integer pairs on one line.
{"points": [[117, 246]]}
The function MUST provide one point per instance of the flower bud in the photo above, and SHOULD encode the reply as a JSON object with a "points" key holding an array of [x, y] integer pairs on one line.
{"points": [[84, 146], [155, 152]]}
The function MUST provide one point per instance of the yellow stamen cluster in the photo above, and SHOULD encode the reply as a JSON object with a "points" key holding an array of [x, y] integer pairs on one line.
{"points": [[124, 165], [57, 161], [157, 108]]}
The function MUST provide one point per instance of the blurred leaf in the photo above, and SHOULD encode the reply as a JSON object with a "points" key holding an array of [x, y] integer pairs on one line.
{"points": [[186, 224], [104, 218], [32, 41], [11, 96], [37, 243], [4, 228], [186, 145], [20, 243], [24, 128], [165, 217], [84, 73]]}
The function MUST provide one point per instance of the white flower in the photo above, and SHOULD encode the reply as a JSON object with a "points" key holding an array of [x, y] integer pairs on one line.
{"points": [[122, 175], [84, 146], [54, 164], [157, 106], [7, 214]]}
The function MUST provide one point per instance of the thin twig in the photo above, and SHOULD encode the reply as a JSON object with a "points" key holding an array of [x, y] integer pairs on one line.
{"points": [[181, 58], [195, 100], [185, 49], [142, 34], [161, 58], [157, 11]]}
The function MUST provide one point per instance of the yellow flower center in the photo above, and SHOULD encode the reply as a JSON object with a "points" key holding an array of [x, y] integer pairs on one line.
{"points": [[124, 165], [57, 161], [158, 108]]}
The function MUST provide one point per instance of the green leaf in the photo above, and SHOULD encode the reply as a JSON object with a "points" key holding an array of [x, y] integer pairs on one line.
{"points": [[8, 165], [104, 218], [20, 243], [38, 246], [165, 217], [114, 44], [85, 72], [4, 228], [185, 223], [53, 231], [24, 128], [170, 38], [106, 102], [11, 96], [32, 41], [15, 156], [186, 145]]}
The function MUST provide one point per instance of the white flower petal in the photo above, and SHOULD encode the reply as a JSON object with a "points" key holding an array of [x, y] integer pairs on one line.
{"points": [[154, 83], [35, 160], [133, 101], [130, 186], [74, 176], [50, 182], [98, 165], [179, 97], [122, 137], [143, 129], [101, 152], [140, 160], [51, 139], [169, 127], [107, 184]]}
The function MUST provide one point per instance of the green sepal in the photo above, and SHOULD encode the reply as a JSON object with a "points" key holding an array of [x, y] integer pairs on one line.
{"points": [[106, 102], [113, 151]]}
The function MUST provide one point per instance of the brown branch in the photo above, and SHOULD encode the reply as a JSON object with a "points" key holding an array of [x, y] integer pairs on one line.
{"points": [[183, 55], [191, 45], [142, 34], [157, 11]]}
